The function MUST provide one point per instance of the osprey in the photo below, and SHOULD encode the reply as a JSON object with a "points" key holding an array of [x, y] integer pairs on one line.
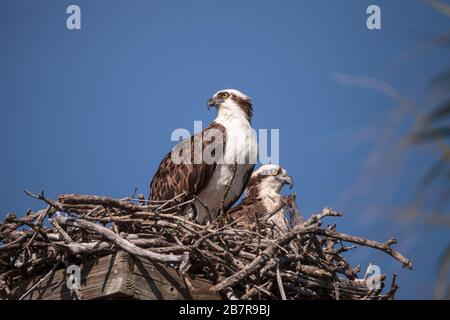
{"points": [[215, 165], [263, 197]]}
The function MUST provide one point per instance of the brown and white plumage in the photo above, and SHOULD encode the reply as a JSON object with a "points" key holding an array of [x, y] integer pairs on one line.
{"points": [[262, 196], [219, 183]]}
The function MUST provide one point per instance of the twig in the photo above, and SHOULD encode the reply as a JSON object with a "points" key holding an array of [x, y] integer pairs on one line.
{"points": [[280, 284], [122, 243], [40, 281]]}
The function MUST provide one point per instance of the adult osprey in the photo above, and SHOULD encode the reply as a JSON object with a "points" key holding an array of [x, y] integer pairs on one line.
{"points": [[215, 164], [263, 198]]}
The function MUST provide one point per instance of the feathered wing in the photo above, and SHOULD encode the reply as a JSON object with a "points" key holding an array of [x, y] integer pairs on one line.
{"points": [[245, 211], [252, 203], [173, 179], [250, 208], [247, 177]]}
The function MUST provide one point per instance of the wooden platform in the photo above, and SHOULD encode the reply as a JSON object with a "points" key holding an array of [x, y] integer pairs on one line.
{"points": [[117, 276]]}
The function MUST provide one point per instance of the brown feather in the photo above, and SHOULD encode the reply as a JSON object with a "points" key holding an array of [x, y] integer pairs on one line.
{"points": [[245, 104], [173, 179], [250, 204]]}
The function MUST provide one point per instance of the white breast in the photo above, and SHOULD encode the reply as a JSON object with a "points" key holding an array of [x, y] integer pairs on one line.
{"points": [[226, 185]]}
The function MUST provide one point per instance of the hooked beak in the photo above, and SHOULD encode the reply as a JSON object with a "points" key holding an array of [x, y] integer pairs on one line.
{"points": [[289, 181], [212, 102]]}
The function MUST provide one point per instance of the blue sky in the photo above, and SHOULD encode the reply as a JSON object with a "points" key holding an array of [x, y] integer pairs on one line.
{"points": [[92, 110]]}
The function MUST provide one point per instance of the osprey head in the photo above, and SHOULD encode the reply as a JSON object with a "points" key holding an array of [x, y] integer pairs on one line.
{"points": [[233, 102], [268, 180]]}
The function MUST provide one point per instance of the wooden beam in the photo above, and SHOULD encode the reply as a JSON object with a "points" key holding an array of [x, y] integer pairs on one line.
{"points": [[116, 276]]}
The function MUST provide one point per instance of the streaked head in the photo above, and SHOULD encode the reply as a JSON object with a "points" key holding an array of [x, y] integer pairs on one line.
{"points": [[232, 101], [268, 180]]}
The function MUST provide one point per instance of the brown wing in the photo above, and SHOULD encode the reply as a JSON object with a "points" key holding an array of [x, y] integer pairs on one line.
{"points": [[247, 177], [245, 211], [252, 203], [173, 179]]}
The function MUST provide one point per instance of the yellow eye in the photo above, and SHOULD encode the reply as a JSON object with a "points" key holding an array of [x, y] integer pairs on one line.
{"points": [[225, 95], [274, 172]]}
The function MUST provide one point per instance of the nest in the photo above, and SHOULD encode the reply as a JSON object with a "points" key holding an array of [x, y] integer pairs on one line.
{"points": [[242, 262]]}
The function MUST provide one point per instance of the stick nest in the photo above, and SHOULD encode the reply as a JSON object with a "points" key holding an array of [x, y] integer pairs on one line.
{"points": [[242, 262]]}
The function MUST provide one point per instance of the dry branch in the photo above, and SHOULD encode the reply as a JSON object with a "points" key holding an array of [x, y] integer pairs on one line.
{"points": [[243, 262]]}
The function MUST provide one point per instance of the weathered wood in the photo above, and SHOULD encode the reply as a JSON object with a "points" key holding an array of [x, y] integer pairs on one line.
{"points": [[119, 241], [155, 281], [116, 276], [242, 259]]}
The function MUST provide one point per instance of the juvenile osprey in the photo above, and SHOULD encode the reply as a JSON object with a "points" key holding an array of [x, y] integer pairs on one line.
{"points": [[217, 165], [263, 197]]}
